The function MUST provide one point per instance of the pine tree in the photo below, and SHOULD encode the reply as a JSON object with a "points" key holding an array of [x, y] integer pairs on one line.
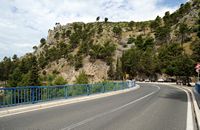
{"points": [[34, 76], [118, 73]]}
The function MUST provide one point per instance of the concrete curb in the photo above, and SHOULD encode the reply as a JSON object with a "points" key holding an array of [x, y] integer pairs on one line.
{"points": [[44, 105]]}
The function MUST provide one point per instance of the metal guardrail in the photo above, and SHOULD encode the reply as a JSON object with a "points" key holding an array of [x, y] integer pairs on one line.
{"points": [[197, 93], [35, 94], [197, 87]]}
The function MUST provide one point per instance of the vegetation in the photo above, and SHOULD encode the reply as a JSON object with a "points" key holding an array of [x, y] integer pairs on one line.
{"points": [[82, 78], [137, 49]]}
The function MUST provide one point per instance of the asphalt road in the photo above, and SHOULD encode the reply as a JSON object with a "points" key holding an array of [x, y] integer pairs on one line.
{"points": [[148, 108]]}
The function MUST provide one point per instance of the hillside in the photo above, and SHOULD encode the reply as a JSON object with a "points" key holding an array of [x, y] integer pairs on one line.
{"points": [[101, 49], [81, 36]]}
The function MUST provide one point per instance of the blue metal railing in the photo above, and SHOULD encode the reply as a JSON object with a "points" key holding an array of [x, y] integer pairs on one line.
{"points": [[197, 87], [34, 94]]}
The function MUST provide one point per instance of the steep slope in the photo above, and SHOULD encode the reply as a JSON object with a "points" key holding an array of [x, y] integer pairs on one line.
{"points": [[95, 47]]}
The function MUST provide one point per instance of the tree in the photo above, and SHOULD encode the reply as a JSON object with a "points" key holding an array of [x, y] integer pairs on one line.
{"points": [[156, 23], [117, 31], [166, 18], [131, 24], [78, 62], [169, 53], [35, 48], [82, 78], [184, 67], [183, 30], [59, 80], [7, 68], [143, 27], [131, 62], [15, 78], [118, 72], [144, 44], [111, 72], [42, 42], [34, 72], [106, 19], [198, 32], [98, 18], [15, 58], [162, 34], [131, 40], [104, 52], [196, 50]]}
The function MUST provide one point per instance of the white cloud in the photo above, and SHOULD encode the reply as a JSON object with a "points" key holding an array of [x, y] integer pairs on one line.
{"points": [[24, 22]]}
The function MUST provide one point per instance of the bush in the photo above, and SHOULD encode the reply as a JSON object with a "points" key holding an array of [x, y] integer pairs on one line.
{"points": [[131, 40], [82, 78], [59, 81]]}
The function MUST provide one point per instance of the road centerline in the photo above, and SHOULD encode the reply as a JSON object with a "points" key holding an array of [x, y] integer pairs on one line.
{"points": [[108, 112]]}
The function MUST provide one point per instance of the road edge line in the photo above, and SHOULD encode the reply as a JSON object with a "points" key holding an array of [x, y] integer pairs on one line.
{"points": [[190, 121], [196, 108]]}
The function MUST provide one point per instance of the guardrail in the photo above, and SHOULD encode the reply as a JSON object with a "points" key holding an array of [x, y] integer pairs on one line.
{"points": [[197, 87], [34, 94]]}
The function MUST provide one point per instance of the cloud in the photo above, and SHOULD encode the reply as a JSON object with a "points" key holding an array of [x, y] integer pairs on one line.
{"points": [[24, 22]]}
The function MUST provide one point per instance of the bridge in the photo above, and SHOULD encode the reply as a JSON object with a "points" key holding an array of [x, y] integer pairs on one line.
{"points": [[123, 106]]}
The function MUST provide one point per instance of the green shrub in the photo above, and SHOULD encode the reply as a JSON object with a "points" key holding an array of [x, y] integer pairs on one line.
{"points": [[59, 80], [82, 78]]}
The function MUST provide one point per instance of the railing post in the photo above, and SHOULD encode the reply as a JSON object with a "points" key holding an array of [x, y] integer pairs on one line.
{"points": [[88, 89], [103, 88], [66, 95], [114, 86], [32, 95]]}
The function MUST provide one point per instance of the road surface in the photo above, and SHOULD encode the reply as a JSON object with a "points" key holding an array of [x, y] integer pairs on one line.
{"points": [[150, 107]]}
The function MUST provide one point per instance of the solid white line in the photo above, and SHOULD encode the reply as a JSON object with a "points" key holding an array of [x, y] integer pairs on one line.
{"points": [[108, 112], [196, 108], [189, 121]]}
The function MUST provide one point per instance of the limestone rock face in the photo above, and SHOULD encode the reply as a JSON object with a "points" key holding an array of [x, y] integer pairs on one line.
{"points": [[100, 33]]}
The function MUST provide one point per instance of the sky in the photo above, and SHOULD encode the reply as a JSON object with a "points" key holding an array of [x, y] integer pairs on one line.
{"points": [[24, 22]]}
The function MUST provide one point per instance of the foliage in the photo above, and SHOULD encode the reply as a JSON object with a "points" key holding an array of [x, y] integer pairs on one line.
{"points": [[34, 75], [196, 50], [183, 30], [117, 31], [98, 18], [78, 61], [106, 19], [144, 43], [198, 32], [111, 72], [104, 52], [42, 42], [131, 24], [82, 78], [130, 62], [156, 23], [59, 80], [118, 73], [162, 35]]}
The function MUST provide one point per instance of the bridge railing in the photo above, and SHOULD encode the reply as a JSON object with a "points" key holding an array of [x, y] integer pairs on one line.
{"points": [[35, 94], [197, 87]]}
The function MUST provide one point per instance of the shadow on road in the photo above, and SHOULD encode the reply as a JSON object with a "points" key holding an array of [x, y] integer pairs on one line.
{"points": [[175, 95]]}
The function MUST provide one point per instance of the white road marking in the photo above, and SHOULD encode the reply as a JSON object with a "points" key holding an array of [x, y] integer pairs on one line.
{"points": [[108, 112], [190, 122]]}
